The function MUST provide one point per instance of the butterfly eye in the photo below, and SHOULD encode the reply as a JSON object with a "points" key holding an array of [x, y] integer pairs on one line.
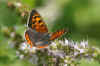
{"points": [[36, 17], [33, 22]]}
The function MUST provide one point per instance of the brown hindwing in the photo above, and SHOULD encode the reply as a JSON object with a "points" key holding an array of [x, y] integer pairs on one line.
{"points": [[28, 40], [57, 34]]}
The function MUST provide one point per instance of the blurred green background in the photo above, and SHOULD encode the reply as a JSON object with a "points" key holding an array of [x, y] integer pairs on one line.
{"points": [[80, 17]]}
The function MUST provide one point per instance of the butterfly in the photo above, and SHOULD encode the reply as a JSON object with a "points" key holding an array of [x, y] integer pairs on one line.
{"points": [[37, 34]]}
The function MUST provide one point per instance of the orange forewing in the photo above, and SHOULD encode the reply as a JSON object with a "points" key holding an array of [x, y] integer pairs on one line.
{"points": [[36, 22]]}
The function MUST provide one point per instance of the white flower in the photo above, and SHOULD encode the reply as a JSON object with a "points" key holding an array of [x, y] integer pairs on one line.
{"points": [[18, 4], [82, 50], [17, 53], [53, 44], [65, 64], [71, 43], [26, 48], [76, 46], [84, 44], [21, 56], [23, 46], [32, 50], [65, 61], [76, 53], [12, 34], [59, 53], [66, 42], [61, 42]]}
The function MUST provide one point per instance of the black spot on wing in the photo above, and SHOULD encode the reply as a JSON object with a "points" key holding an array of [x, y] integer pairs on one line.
{"points": [[40, 21]]}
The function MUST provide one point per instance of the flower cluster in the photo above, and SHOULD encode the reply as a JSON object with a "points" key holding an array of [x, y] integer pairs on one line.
{"points": [[59, 53]]}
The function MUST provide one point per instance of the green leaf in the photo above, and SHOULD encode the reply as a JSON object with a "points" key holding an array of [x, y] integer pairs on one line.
{"points": [[30, 3], [7, 17], [89, 63]]}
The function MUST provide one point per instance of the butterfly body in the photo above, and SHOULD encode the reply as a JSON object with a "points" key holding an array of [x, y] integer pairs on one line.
{"points": [[37, 33]]}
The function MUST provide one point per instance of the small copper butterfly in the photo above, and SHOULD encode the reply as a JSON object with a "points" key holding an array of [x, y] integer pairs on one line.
{"points": [[37, 32]]}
